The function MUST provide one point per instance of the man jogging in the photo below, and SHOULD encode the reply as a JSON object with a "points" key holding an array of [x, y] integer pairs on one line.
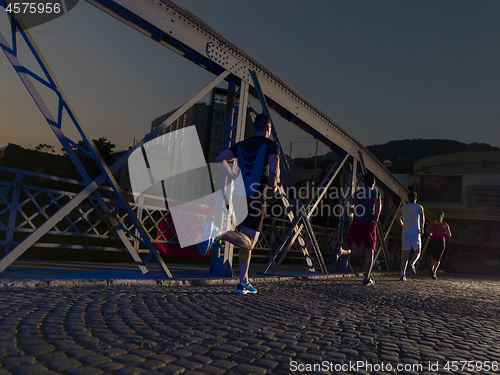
{"points": [[411, 217], [366, 204], [258, 160]]}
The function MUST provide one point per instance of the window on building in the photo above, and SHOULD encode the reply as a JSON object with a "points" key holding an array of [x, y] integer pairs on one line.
{"points": [[215, 144], [477, 235], [219, 115], [218, 129]]}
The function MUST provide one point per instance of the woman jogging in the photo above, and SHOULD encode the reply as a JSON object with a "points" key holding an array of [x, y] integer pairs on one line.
{"points": [[438, 230]]}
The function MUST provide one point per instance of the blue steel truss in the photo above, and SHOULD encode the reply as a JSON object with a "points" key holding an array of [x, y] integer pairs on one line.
{"points": [[180, 31], [234, 132], [56, 124]]}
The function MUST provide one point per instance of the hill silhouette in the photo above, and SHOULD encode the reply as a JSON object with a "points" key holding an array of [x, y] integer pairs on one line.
{"points": [[403, 153]]}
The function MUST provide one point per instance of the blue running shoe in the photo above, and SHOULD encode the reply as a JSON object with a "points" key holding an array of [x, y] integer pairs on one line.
{"points": [[210, 232], [368, 281], [245, 288]]}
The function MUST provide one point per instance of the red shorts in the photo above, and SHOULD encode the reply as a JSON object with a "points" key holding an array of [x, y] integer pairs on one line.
{"points": [[362, 231]]}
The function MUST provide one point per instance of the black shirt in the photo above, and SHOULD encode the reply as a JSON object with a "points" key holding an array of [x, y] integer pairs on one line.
{"points": [[253, 161]]}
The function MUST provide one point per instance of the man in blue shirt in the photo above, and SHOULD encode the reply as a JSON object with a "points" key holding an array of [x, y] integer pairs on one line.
{"points": [[258, 160]]}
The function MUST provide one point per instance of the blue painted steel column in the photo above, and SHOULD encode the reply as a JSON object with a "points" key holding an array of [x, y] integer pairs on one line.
{"points": [[221, 258], [56, 125]]}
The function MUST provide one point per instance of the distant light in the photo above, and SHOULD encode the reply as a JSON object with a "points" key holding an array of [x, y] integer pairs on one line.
{"points": [[387, 163]]}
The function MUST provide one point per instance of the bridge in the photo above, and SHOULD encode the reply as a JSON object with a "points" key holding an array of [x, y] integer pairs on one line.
{"points": [[248, 82]]}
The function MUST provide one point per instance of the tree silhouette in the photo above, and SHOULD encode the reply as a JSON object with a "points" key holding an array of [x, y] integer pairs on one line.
{"points": [[105, 149], [42, 147]]}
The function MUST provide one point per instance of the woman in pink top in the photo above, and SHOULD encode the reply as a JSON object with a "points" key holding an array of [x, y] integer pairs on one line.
{"points": [[438, 230]]}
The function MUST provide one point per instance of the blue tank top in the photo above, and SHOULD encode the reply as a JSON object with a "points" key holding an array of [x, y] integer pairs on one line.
{"points": [[364, 202]]}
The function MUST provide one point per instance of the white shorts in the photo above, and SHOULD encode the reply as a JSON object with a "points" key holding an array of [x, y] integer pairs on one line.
{"points": [[411, 240]]}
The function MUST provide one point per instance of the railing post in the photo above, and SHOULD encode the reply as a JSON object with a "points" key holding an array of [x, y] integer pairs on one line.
{"points": [[139, 217]]}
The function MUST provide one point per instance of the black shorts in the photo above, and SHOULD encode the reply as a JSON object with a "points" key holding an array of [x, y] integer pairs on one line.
{"points": [[256, 210], [437, 248]]}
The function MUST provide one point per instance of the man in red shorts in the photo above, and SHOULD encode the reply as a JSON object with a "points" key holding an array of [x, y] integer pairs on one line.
{"points": [[366, 204]]}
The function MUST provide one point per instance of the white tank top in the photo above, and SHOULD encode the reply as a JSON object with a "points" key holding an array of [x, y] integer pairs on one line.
{"points": [[411, 217]]}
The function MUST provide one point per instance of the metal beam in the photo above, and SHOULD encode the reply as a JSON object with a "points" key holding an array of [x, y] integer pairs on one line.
{"points": [[182, 32], [292, 234], [234, 132], [187, 35], [45, 227], [298, 203], [56, 126], [171, 119]]}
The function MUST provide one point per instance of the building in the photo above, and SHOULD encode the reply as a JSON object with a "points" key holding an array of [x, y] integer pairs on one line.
{"points": [[122, 175], [466, 187]]}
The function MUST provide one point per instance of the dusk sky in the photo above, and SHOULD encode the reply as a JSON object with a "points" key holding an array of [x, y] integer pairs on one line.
{"points": [[383, 70]]}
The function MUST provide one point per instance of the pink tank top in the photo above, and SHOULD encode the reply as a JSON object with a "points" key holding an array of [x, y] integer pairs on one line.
{"points": [[438, 231]]}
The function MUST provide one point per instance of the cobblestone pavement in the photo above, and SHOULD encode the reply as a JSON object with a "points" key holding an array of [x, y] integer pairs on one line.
{"points": [[329, 326]]}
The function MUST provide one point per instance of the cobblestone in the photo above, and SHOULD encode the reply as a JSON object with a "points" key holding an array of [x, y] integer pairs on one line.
{"points": [[151, 329]]}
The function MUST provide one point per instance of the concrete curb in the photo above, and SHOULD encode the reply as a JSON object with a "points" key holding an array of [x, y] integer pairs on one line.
{"points": [[259, 279]]}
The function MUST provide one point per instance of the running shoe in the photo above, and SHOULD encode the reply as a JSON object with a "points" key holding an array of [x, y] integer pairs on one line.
{"points": [[210, 232], [434, 276], [413, 269], [403, 278], [245, 288], [368, 281]]}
